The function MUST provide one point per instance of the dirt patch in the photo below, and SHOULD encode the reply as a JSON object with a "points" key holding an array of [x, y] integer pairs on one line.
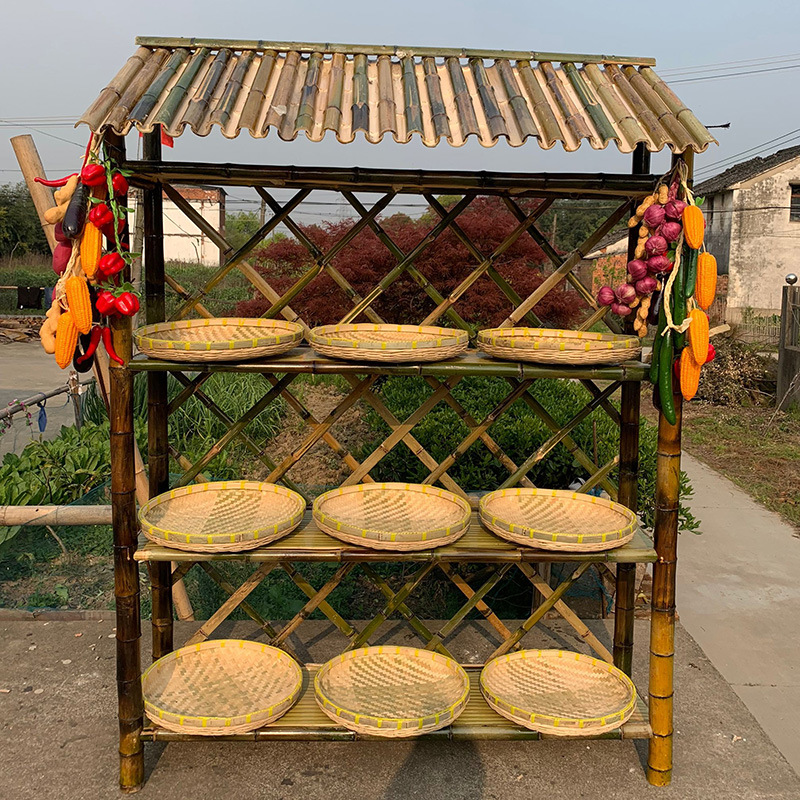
{"points": [[757, 448], [321, 467]]}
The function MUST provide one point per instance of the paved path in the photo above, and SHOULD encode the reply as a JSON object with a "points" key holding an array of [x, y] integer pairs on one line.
{"points": [[739, 597], [26, 369], [58, 736]]}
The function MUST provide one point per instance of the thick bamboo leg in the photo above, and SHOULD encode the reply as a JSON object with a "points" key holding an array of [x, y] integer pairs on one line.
{"points": [[662, 626], [625, 593], [157, 441], [126, 572]]}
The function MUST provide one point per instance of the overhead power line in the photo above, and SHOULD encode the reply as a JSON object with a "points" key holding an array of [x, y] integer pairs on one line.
{"points": [[733, 74], [784, 139], [729, 64]]}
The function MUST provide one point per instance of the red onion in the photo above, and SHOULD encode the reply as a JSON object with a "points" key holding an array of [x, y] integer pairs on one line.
{"points": [[646, 285], [655, 245], [674, 209], [626, 293], [606, 296], [653, 216], [621, 310], [673, 190], [671, 230], [637, 269], [658, 264]]}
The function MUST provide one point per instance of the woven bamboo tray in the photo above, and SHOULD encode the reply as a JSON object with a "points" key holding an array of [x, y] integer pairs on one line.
{"points": [[552, 346], [218, 339], [388, 343], [395, 692], [222, 516], [392, 516], [554, 519], [558, 692], [221, 686]]}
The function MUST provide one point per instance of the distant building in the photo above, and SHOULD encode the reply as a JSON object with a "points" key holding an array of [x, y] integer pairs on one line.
{"points": [[183, 240], [753, 229]]}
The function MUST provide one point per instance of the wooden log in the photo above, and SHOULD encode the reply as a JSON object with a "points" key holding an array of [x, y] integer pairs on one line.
{"points": [[55, 515], [31, 166]]}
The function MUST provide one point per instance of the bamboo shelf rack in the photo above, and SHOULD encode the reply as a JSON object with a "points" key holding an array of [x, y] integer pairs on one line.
{"points": [[155, 176]]}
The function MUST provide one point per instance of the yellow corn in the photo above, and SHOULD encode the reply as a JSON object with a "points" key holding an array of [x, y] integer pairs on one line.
{"points": [[698, 335], [66, 340], [79, 303], [690, 374], [91, 248], [694, 226], [706, 288]]}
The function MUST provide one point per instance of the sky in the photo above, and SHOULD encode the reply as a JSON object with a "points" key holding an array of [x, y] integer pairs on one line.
{"points": [[57, 56]]}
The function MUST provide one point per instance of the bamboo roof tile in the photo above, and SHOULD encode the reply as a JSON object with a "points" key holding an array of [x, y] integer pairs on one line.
{"points": [[437, 94]]}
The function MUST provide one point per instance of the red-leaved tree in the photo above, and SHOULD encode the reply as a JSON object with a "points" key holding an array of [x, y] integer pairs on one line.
{"points": [[445, 263]]}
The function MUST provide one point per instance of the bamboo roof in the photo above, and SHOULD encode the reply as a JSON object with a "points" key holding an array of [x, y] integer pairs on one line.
{"points": [[438, 94]]}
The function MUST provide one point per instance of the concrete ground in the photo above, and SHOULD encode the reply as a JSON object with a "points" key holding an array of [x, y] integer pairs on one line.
{"points": [[58, 737], [738, 595], [25, 370]]}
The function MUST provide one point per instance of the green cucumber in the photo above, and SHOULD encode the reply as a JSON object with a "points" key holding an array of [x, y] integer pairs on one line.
{"points": [[691, 274], [662, 323], [665, 358], [679, 303]]}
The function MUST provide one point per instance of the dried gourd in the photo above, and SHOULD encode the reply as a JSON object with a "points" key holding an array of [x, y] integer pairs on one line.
{"points": [[66, 340], [644, 205], [706, 287], [694, 226], [689, 374], [698, 335]]}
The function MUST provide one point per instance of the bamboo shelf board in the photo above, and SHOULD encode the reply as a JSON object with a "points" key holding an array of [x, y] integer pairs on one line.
{"points": [[308, 543], [305, 360], [305, 721]]}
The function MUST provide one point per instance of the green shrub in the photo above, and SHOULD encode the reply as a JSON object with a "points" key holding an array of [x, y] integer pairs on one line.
{"points": [[518, 432]]}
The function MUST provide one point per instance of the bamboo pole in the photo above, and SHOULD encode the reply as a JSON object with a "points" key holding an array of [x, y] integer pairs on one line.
{"points": [[662, 625], [625, 594], [31, 166], [126, 572], [574, 185], [55, 515], [157, 433]]}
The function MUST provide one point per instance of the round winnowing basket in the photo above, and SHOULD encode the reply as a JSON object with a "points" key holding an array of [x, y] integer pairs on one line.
{"points": [[554, 519], [218, 339], [558, 692], [392, 516], [388, 343], [389, 691], [552, 346], [220, 687], [222, 516]]}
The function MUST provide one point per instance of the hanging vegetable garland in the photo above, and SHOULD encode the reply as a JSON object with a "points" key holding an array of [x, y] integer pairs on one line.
{"points": [[672, 280], [89, 206]]}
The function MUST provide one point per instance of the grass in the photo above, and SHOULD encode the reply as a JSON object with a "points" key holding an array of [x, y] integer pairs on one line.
{"points": [[757, 448]]}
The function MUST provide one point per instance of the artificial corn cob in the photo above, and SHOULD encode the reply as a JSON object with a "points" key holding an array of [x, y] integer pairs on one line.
{"points": [[66, 340]]}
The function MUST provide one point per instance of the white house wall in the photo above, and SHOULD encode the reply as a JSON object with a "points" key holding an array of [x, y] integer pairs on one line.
{"points": [[764, 243], [183, 240]]}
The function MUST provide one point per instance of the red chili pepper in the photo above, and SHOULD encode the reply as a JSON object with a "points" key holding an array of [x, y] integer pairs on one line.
{"points": [[57, 183], [127, 304], [101, 215], [108, 229], [94, 340], [110, 264], [106, 303], [119, 183], [93, 175], [110, 347]]}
